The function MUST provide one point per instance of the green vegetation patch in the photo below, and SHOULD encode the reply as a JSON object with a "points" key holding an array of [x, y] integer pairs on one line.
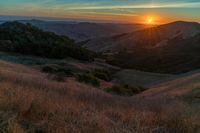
{"points": [[103, 74], [55, 69], [88, 78], [59, 73], [125, 90]]}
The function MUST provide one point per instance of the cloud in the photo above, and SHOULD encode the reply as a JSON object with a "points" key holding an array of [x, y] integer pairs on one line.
{"points": [[170, 5]]}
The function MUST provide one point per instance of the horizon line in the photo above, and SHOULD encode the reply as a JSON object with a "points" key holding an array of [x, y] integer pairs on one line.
{"points": [[52, 18]]}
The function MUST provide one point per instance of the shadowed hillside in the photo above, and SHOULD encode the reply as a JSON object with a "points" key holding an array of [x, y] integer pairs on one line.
{"points": [[27, 39], [170, 48], [179, 56]]}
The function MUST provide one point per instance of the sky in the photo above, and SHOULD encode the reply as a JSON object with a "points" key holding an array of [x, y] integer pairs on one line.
{"points": [[126, 11]]}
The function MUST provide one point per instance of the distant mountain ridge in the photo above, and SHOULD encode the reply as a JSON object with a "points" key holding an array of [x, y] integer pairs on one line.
{"points": [[81, 31]]}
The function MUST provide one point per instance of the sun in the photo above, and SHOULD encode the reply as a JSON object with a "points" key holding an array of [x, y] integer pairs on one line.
{"points": [[150, 20]]}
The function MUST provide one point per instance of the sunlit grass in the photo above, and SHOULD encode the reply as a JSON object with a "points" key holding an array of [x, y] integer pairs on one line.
{"points": [[30, 102]]}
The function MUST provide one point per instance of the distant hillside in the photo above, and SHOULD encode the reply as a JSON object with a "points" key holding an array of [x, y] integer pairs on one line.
{"points": [[146, 38], [27, 39], [81, 31]]}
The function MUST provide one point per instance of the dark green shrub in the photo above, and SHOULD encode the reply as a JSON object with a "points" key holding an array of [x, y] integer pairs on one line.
{"points": [[102, 74], [55, 69], [49, 69], [116, 89], [65, 71], [59, 77], [58, 73], [88, 78], [125, 90]]}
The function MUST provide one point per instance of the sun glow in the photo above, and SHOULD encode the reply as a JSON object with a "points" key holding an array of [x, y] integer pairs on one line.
{"points": [[150, 21]]}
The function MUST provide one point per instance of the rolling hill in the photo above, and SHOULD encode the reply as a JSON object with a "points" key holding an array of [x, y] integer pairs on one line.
{"points": [[27, 39], [170, 48], [180, 55], [147, 38]]}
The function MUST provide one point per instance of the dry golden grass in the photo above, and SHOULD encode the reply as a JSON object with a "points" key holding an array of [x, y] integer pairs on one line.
{"points": [[30, 102]]}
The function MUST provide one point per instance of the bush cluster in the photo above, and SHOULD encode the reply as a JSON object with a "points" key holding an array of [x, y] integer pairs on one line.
{"points": [[125, 90], [88, 78], [59, 72], [55, 69], [102, 74]]}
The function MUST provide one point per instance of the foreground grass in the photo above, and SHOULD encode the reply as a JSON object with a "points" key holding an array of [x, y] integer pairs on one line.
{"points": [[30, 102]]}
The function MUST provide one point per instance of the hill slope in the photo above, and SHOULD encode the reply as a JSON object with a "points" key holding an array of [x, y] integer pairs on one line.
{"points": [[171, 48], [27, 39], [29, 105], [148, 38], [180, 55], [182, 85], [134, 77]]}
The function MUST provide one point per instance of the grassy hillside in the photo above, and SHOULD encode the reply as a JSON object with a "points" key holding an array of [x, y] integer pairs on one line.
{"points": [[182, 85], [27, 39], [30, 101]]}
